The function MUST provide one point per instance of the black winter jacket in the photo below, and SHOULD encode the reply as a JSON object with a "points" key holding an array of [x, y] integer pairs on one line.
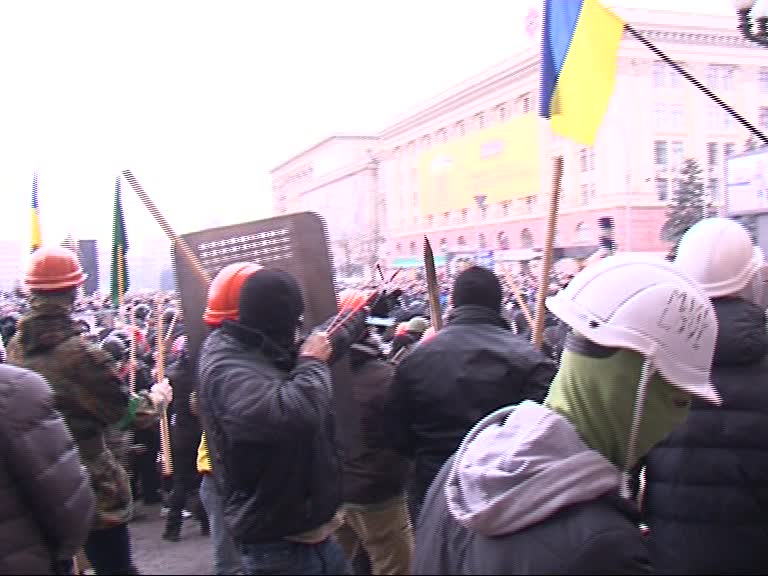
{"points": [[271, 438], [471, 367], [371, 474], [46, 502], [707, 484]]}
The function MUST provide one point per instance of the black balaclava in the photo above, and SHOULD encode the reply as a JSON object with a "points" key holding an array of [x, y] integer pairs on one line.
{"points": [[271, 302], [478, 287]]}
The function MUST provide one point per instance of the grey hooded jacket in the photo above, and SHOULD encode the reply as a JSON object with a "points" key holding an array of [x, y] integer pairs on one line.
{"points": [[525, 495]]}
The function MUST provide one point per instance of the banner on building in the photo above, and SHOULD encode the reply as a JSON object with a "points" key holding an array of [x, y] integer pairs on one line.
{"points": [[497, 164]]}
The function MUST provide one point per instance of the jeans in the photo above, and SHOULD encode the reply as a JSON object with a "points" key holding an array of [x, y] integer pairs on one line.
{"points": [[109, 550], [284, 557], [226, 558]]}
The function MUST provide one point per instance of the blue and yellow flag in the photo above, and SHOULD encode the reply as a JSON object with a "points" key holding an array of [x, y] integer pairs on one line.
{"points": [[578, 66], [37, 238]]}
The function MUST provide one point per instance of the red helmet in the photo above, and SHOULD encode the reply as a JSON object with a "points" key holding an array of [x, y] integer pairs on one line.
{"points": [[54, 268], [224, 292], [351, 299]]}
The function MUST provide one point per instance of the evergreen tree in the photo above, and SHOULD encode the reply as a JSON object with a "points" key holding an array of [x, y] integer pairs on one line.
{"points": [[688, 203]]}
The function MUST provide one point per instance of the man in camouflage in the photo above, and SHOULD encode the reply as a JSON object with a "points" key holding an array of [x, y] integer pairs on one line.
{"points": [[89, 394]]}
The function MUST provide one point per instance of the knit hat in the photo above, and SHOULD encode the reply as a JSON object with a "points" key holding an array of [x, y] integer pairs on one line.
{"points": [[477, 286], [271, 302]]}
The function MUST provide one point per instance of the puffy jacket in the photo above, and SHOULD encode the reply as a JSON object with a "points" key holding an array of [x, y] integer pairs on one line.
{"points": [[706, 500], [271, 438], [185, 428], [471, 367], [371, 474], [46, 503]]}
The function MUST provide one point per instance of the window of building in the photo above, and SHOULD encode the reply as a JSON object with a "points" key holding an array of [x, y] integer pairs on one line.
{"points": [[426, 142], [464, 215], [583, 162], [442, 136], [412, 248], [762, 118], [502, 240], [396, 153], [714, 188], [675, 79], [480, 120], [677, 117], [659, 74], [530, 204], [461, 241], [677, 153], [460, 128], [481, 242], [483, 212], [762, 80], [443, 245], [399, 248], [592, 159], [524, 103], [505, 208], [660, 152], [430, 221], [446, 217], [721, 76], [713, 117], [660, 116], [662, 189], [730, 149], [502, 113], [526, 238], [592, 192], [582, 233], [584, 194], [712, 153]]}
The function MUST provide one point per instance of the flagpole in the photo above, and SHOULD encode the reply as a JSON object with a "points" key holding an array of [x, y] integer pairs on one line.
{"points": [[120, 279], [688, 76]]}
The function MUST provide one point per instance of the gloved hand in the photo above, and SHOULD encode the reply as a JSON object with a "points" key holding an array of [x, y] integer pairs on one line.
{"points": [[162, 393], [349, 332]]}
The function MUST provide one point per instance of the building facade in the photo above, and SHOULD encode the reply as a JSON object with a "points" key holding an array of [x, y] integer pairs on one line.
{"points": [[655, 121]]}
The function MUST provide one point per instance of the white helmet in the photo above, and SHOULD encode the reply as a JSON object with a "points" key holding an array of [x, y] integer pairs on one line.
{"points": [[718, 253], [648, 305]]}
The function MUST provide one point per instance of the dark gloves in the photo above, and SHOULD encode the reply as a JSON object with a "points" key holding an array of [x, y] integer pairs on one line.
{"points": [[387, 302]]}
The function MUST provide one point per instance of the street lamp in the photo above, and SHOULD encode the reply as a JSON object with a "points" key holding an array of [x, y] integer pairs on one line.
{"points": [[758, 35]]}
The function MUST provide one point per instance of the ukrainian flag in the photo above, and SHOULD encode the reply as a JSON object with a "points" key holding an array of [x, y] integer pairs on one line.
{"points": [[578, 66], [37, 239]]}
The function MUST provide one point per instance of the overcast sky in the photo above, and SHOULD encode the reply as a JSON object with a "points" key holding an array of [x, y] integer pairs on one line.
{"points": [[200, 99]]}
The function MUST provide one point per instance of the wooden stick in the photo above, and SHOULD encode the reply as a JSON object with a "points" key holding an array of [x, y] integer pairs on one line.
{"points": [[165, 432], [187, 252], [546, 264], [132, 354], [171, 327]]}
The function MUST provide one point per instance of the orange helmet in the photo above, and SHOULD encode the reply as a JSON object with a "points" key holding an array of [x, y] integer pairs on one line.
{"points": [[352, 299], [54, 268], [224, 292]]}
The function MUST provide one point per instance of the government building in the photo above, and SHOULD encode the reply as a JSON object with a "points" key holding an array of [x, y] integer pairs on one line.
{"points": [[472, 168]]}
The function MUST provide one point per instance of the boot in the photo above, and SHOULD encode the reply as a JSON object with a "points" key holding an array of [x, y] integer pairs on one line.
{"points": [[173, 527]]}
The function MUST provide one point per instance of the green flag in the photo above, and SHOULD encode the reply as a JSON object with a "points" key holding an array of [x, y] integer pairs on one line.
{"points": [[119, 284]]}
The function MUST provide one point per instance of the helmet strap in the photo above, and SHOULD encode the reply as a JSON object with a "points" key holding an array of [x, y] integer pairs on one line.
{"points": [[646, 374]]}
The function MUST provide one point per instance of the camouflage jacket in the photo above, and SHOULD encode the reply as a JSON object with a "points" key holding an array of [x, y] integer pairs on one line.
{"points": [[89, 394]]}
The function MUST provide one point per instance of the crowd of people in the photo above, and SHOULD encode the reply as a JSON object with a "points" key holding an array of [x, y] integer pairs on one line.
{"points": [[631, 441]]}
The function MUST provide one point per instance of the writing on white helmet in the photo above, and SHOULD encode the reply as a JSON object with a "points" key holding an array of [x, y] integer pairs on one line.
{"points": [[647, 305]]}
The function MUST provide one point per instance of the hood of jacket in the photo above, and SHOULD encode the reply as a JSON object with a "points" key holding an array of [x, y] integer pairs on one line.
{"points": [[47, 324], [473, 314], [520, 465], [742, 336]]}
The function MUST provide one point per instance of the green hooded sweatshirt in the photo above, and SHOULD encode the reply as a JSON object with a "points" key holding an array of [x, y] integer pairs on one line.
{"points": [[597, 395]]}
